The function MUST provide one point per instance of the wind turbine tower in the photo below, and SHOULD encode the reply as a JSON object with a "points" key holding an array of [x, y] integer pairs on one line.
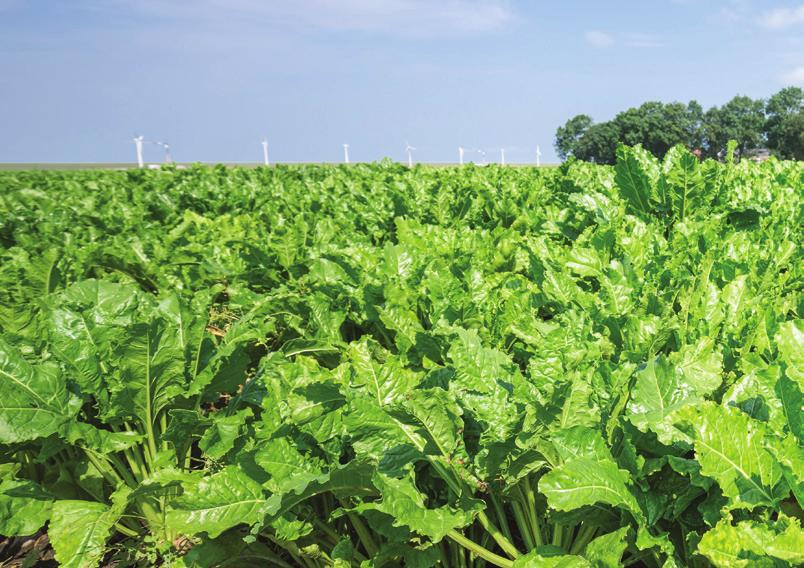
{"points": [[168, 157], [138, 145], [409, 149], [346, 153], [265, 152]]}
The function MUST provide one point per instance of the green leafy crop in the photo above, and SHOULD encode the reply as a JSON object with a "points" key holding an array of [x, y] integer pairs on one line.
{"points": [[372, 365]]}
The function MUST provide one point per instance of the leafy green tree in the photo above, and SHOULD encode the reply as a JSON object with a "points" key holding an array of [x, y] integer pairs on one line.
{"points": [[781, 111], [694, 124], [658, 126], [655, 125], [791, 137], [741, 119], [599, 143], [567, 136]]}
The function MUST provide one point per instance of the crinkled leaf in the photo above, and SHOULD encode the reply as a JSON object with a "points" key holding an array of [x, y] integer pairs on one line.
{"points": [[729, 446], [406, 504], [24, 507], [584, 481], [79, 530], [747, 543], [633, 174], [607, 551], [220, 437], [218, 502], [285, 464], [662, 388], [35, 402]]}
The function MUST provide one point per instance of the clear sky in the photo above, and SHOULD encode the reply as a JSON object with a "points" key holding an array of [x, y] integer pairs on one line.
{"points": [[80, 78]]}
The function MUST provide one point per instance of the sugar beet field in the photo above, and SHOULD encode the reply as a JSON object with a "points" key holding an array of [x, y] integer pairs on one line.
{"points": [[375, 366]]}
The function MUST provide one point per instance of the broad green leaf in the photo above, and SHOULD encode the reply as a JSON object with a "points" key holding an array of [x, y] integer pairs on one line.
{"points": [[86, 319], [483, 377], [152, 370], [790, 341], [607, 551], [78, 530], [385, 383], [24, 507], [663, 387], [789, 394], [729, 446], [439, 414], [584, 481], [345, 482], [35, 402], [285, 464], [633, 177], [376, 434], [700, 366], [217, 503], [646, 540], [406, 504], [580, 442], [221, 435], [684, 181], [789, 454], [577, 406], [98, 440], [762, 393], [748, 543]]}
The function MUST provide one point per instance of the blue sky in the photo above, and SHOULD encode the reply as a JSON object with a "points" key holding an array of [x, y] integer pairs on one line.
{"points": [[79, 79]]}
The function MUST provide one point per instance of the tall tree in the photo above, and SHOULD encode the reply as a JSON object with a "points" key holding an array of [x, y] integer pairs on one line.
{"points": [[791, 137], [781, 111], [694, 124], [660, 126], [599, 143], [567, 136], [741, 119]]}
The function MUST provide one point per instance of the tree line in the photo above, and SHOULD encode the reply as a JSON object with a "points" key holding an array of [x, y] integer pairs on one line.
{"points": [[776, 123]]}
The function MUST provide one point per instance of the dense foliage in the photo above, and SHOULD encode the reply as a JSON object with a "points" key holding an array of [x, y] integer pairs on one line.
{"points": [[776, 123], [586, 366]]}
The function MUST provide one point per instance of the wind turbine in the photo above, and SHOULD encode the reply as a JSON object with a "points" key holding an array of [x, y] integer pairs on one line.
{"points": [[538, 156], [460, 154], [138, 144], [346, 153], [166, 146], [409, 149], [502, 156], [265, 152]]}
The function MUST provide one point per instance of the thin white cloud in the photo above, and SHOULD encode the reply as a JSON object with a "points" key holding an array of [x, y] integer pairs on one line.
{"points": [[601, 39], [730, 16], [399, 17], [596, 38], [794, 77], [781, 18], [642, 40]]}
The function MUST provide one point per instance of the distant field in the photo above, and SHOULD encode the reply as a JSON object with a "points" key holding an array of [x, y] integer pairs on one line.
{"points": [[125, 166]]}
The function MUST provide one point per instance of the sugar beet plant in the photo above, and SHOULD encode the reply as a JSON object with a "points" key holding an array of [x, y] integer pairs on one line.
{"points": [[587, 366]]}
